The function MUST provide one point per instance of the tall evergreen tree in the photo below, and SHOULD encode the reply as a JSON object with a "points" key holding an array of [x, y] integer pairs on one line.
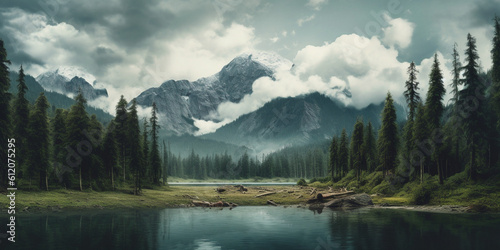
{"points": [[4, 112], [420, 134], [370, 148], [120, 133], [388, 136], [434, 109], [333, 160], [39, 141], [474, 121], [411, 93], [155, 153], [110, 154], [358, 155], [133, 146], [78, 121], [145, 150], [58, 143], [455, 83], [412, 99], [21, 117], [495, 70], [95, 165], [343, 153]]}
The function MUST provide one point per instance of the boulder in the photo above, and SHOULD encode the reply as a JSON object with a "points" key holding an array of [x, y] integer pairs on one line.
{"points": [[353, 201]]}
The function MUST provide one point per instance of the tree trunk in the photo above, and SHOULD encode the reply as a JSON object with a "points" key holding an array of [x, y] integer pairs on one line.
{"points": [[440, 172], [112, 179], [80, 175], [421, 172], [46, 181]]}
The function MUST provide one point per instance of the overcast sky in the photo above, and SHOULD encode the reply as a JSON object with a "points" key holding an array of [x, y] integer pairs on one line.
{"points": [[133, 45]]}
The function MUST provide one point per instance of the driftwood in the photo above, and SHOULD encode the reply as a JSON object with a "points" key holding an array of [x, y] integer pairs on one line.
{"points": [[220, 190], [241, 188], [271, 202], [213, 204], [191, 197], [320, 197], [264, 194], [313, 191]]}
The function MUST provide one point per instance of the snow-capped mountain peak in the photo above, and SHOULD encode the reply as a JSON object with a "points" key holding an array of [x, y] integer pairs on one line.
{"points": [[71, 71], [269, 59]]}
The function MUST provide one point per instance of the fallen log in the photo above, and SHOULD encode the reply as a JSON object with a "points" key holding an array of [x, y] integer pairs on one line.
{"points": [[271, 202], [321, 196], [313, 191], [264, 194]]}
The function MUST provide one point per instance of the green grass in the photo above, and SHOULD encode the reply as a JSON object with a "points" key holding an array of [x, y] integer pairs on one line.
{"points": [[152, 198]]}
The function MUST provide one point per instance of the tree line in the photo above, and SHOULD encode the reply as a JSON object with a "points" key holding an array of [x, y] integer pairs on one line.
{"points": [[435, 139], [71, 148]]}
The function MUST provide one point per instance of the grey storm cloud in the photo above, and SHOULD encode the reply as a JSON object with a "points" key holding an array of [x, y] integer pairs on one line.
{"points": [[483, 12]]}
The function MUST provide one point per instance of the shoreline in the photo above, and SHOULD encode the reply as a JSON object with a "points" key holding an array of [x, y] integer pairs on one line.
{"points": [[62, 200]]}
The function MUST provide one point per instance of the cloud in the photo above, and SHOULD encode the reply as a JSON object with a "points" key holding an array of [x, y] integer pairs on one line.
{"points": [[398, 33], [274, 39], [305, 20], [367, 71], [316, 4]]}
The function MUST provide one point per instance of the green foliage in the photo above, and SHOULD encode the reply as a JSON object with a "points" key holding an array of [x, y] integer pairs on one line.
{"points": [[133, 147], [411, 93], [154, 158], [4, 112], [38, 146], [343, 153], [388, 136], [302, 182]]}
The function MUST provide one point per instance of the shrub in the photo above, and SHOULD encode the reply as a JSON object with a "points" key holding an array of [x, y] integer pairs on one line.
{"points": [[302, 182], [421, 195]]}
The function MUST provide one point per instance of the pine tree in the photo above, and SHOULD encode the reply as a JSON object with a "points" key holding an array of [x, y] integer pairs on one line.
{"points": [[411, 93], [58, 142], [4, 113], [343, 153], [155, 153], [420, 134], [109, 154], [358, 156], [95, 166], [434, 109], [21, 116], [370, 148], [388, 136], [145, 150], [455, 83], [412, 99], [39, 142], [333, 160], [473, 121], [78, 121], [133, 146], [120, 133], [495, 70]]}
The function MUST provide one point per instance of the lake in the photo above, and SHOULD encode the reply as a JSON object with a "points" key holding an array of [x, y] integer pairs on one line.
{"points": [[254, 228]]}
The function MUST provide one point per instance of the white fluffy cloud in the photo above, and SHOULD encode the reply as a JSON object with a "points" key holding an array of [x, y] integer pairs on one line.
{"points": [[398, 33]]}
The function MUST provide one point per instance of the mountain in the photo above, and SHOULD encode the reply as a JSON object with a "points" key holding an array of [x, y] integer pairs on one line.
{"points": [[65, 81], [56, 100], [295, 121], [180, 102]]}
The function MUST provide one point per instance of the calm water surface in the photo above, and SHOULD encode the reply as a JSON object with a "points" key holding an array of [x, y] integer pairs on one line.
{"points": [[254, 228]]}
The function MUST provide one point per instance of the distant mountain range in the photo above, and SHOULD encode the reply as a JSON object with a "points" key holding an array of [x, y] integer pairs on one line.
{"points": [[55, 99], [68, 83], [279, 123], [180, 102]]}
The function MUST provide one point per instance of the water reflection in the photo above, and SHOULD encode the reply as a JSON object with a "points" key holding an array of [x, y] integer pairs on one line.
{"points": [[255, 228]]}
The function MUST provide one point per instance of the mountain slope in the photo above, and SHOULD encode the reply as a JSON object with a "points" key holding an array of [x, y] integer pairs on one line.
{"points": [[295, 121], [179, 102], [59, 82], [55, 99]]}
